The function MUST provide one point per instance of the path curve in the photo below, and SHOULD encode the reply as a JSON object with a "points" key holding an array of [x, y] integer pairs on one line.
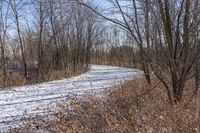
{"points": [[31, 99]]}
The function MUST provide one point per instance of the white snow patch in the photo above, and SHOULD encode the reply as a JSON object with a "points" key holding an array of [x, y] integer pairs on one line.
{"points": [[32, 99]]}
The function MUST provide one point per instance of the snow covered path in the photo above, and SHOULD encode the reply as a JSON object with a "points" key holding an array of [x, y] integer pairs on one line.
{"points": [[32, 99]]}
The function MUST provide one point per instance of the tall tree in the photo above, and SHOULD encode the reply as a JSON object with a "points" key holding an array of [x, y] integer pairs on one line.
{"points": [[16, 9]]}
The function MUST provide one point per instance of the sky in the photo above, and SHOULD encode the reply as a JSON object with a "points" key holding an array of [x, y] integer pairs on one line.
{"points": [[28, 15]]}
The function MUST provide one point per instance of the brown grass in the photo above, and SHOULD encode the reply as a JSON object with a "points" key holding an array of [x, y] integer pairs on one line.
{"points": [[60, 74], [12, 81], [18, 79], [133, 107]]}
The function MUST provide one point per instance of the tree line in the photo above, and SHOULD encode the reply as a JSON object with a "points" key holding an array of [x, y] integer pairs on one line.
{"points": [[159, 36], [166, 33], [41, 35]]}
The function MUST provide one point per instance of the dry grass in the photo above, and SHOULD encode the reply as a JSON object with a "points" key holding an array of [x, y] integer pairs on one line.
{"points": [[60, 74], [18, 79], [133, 107], [12, 81]]}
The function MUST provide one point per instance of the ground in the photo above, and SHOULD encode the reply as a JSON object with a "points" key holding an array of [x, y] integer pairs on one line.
{"points": [[32, 100]]}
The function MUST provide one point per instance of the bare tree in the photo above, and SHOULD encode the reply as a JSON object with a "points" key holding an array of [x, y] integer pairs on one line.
{"points": [[129, 21], [170, 50], [3, 35], [39, 6], [16, 9]]}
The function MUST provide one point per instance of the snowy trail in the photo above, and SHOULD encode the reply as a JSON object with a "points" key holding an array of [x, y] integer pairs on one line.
{"points": [[32, 99]]}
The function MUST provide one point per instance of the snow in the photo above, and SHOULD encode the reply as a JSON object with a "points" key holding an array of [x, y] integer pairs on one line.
{"points": [[32, 99]]}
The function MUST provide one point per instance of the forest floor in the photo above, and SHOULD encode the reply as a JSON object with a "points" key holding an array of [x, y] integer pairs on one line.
{"points": [[40, 100], [133, 107]]}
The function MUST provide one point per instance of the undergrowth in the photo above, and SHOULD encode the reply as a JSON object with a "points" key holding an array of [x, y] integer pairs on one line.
{"points": [[133, 107], [18, 79]]}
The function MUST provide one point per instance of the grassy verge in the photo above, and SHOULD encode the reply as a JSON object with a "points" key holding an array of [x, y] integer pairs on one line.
{"points": [[50, 75], [133, 107]]}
